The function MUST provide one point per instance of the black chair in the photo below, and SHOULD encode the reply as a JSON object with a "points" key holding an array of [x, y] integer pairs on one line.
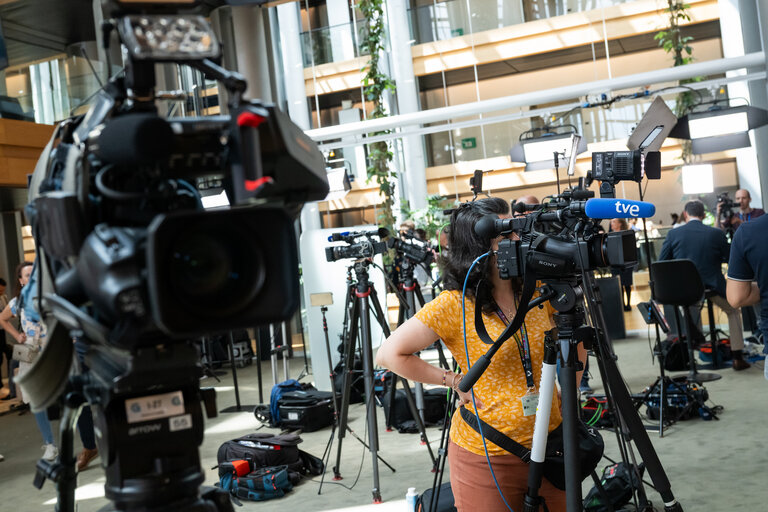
{"points": [[678, 283]]}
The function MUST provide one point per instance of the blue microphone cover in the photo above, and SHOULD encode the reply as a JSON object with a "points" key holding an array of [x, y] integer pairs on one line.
{"points": [[604, 208]]}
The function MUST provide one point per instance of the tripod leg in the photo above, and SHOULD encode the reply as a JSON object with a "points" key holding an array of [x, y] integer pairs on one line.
{"points": [[417, 418], [570, 417], [531, 500], [349, 354], [373, 431]]}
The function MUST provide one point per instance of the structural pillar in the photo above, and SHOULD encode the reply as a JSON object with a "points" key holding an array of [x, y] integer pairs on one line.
{"points": [[414, 169], [340, 27], [756, 39], [736, 36]]}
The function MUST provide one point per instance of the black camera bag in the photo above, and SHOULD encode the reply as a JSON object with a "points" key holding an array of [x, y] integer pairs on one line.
{"points": [[445, 501], [618, 482], [676, 357], [268, 450], [435, 402], [308, 410]]}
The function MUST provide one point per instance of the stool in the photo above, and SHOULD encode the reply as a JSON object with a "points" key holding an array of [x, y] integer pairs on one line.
{"points": [[678, 283], [717, 362]]}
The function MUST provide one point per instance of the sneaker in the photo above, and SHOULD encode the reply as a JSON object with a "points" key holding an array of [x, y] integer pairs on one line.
{"points": [[586, 389], [85, 457], [1, 457], [50, 452]]}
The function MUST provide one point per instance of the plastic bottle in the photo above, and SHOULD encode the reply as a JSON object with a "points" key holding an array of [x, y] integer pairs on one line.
{"points": [[410, 499]]}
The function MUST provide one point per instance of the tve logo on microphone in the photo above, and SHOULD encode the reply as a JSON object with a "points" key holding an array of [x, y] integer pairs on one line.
{"points": [[618, 208]]}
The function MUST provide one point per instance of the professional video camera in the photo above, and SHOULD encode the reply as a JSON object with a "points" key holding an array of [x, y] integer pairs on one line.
{"points": [[415, 250], [726, 205], [611, 167], [577, 247], [360, 244], [131, 263]]}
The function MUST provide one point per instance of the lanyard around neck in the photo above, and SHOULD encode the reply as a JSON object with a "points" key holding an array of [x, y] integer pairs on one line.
{"points": [[523, 348]]}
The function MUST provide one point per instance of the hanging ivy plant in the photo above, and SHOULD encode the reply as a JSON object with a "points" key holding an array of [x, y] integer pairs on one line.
{"points": [[375, 84], [679, 46]]}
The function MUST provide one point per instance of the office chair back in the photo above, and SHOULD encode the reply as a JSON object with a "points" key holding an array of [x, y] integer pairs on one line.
{"points": [[677, 282]]}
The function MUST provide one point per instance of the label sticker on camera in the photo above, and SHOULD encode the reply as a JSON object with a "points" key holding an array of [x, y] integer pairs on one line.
{"points": [[152, 407], [530, 403], [183, 422]]}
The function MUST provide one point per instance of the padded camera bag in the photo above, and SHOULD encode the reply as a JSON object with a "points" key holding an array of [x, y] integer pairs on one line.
{"points": [[435, 402], [308, 410]]}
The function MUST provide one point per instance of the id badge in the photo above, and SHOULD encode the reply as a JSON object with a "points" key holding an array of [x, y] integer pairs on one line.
{"points": [[530, 403]]}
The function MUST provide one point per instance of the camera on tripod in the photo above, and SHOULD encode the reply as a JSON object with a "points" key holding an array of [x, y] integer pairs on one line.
{"points": [[131, 263], [577, 247], [411, 248], [360, 245]]}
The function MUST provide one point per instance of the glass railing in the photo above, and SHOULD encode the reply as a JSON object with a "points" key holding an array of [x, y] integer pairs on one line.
{"points": [[453, 18], [334, 44]]}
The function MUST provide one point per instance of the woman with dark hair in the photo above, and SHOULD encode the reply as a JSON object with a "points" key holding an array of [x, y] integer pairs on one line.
{"points": [[32, 333], [505, 399]]}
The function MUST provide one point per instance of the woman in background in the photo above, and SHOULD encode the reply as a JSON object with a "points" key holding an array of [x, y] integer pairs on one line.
{"points": [[32, 333]]}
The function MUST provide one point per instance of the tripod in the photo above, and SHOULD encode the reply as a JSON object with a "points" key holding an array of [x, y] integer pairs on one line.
{"points": [[568, 295], [334, 403], [360, 297], [407, 309]]}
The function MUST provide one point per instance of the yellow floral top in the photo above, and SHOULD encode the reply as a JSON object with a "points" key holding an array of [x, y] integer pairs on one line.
{"points": [[503, 383]]}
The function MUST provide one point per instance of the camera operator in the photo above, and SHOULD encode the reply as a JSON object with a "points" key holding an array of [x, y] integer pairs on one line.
{"points": [[744, 214], [502, 390], [748, 271], [707, 247]]}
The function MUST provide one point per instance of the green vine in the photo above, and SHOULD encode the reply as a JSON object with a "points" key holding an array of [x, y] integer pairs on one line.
{"points": [[375, 85], [679, 46], [430, 218]]}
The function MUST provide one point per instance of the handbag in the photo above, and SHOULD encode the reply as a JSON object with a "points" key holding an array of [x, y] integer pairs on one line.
{"points": [[590, 444], [25, 353]]}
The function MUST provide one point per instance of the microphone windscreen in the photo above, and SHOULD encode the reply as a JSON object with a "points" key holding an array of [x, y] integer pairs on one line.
{"points": [[383, 232], [604, 208], [486, 227], [135, 139]]}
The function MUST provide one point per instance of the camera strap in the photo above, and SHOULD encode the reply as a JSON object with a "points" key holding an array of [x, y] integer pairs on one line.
{"points": [[529, 286]]}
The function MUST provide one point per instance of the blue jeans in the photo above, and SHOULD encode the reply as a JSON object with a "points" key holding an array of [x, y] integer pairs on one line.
{"points": [[44, 425]]}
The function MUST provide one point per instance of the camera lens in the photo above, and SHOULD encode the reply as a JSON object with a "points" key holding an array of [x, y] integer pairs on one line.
{"points": [[215, 272]]}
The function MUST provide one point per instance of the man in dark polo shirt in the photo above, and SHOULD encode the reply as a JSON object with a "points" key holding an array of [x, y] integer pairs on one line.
{"points": [[748, 271], [707, 247]]}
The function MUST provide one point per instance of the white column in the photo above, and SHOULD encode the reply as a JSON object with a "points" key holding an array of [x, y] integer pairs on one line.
{"points": [[733, 46], [251, 47], [293, 64], [342, 44], [414, 171]]}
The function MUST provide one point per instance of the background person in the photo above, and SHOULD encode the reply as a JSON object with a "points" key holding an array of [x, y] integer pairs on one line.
{"points": [[6, 349], [748, 271], [708, 248], [502, 390], [32, 332], [745, 213]]}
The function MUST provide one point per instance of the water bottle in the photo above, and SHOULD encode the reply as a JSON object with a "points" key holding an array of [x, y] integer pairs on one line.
{"points": [[410, 499]]}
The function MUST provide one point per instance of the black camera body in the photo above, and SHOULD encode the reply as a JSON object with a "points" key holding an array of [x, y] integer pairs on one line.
{"points": [[574, 247], [727, 205], [360, 245], [611, 167], [416, 251]]}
